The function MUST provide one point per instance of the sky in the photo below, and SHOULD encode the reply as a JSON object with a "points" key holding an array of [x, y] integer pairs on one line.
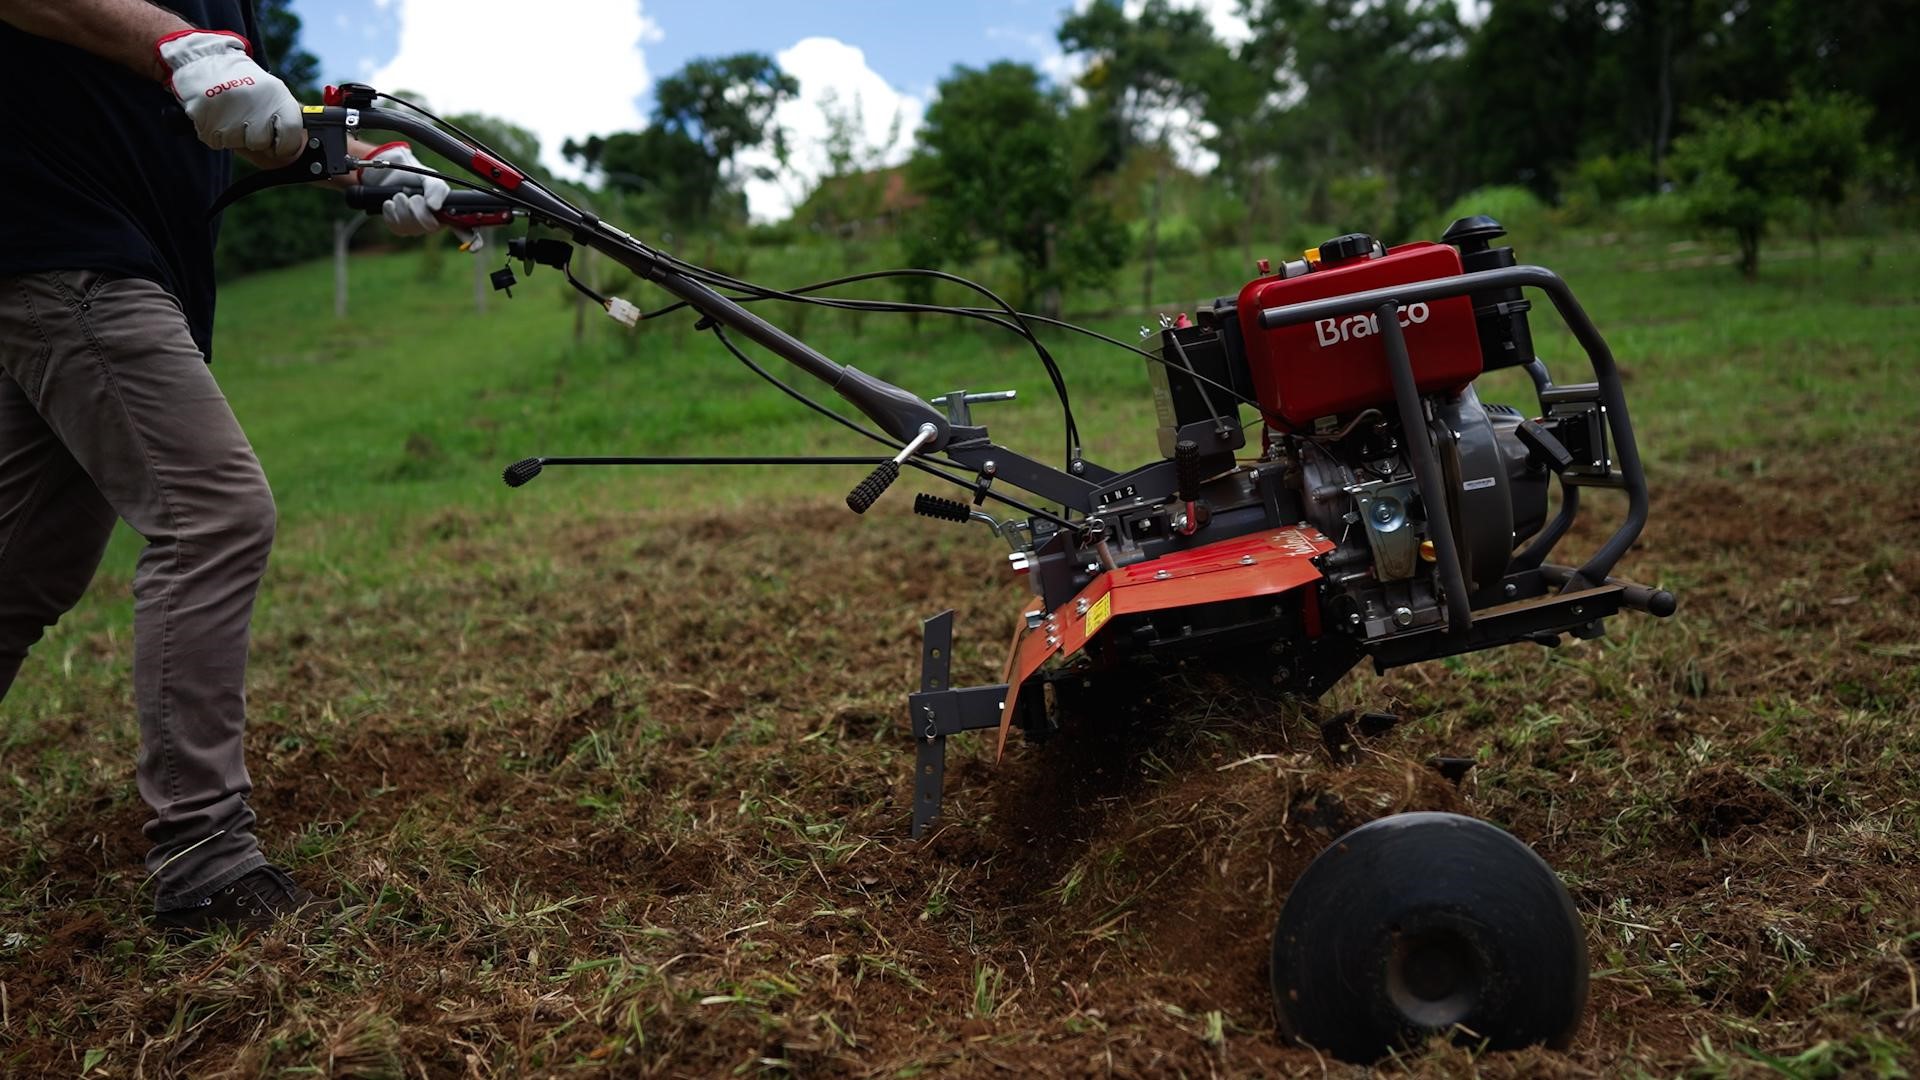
{"points": [[572, 68]]}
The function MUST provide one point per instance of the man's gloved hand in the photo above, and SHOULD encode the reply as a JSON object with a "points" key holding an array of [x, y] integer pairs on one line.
{"points": [[416, 213], [233, 102]]}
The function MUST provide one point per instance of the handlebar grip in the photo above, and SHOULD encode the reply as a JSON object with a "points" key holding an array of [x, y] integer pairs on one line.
{"points": [[371, 199]]}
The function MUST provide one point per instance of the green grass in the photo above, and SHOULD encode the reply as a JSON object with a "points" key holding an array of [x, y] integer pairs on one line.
{"points": [[415, 402]]}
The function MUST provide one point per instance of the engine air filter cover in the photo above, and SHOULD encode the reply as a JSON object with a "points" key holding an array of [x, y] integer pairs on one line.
{"points": [[1338, 366]]}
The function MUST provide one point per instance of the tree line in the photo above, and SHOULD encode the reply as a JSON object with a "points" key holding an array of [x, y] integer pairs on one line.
{"points": [[1369, 114]]}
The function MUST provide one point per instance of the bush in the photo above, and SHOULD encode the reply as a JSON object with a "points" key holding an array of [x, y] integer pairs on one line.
{"points": [[1513, 206], [1597, 185], [1663, 213], [1361, 203], [1742, 168]]}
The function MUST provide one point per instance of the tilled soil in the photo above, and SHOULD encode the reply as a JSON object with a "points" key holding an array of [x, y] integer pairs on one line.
{"points": [[640, 807]]}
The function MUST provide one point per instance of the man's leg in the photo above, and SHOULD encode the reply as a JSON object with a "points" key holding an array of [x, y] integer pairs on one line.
{"points": [[126, 391], [53, 523]]}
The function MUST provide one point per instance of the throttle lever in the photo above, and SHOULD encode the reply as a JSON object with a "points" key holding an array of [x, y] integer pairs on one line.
{"points": [[868, 492], [325, 156]]}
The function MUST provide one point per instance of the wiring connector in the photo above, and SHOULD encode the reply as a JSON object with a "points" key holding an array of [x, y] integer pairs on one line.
{"points": [[622, 312]]}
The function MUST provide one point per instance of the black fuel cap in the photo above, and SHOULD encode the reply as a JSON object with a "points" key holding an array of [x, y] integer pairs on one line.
{"points": [[1475, 233], [1345, 248]]}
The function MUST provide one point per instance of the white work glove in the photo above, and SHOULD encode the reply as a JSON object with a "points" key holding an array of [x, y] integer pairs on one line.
{"points": [[233, 103], [416, 213]]}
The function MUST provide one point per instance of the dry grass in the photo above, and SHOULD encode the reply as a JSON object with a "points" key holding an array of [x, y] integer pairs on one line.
{"points": [[638, 807]]}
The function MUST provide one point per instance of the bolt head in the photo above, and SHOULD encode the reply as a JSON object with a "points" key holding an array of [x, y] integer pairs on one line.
{"points": [[1403, 616]]}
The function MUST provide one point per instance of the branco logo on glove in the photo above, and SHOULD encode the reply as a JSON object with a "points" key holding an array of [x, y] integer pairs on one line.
{"points": [[215, 91]]}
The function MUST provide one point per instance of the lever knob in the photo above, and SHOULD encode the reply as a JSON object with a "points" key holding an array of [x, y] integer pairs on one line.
{"points": [[934, 506], [1544, 446], [1186, 466], [868, 492]]}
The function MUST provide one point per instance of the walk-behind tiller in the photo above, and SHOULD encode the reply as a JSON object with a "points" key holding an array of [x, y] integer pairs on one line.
{"points": [[1386, 513]]}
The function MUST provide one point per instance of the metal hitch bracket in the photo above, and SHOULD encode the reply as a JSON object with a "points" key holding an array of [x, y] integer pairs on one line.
{"points": [[940, 710]]}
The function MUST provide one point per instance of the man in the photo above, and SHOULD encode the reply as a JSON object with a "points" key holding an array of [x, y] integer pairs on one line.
{"points": [[108, 409]]}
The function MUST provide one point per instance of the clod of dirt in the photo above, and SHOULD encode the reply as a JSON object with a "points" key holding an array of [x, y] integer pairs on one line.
{"points": [[1720, 800]]}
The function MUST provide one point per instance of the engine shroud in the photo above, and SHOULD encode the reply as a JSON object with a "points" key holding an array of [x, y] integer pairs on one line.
{"points": [[1337, 365]]}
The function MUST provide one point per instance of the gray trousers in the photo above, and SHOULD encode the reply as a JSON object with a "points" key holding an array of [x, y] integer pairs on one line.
{"points": [[107, 410]]}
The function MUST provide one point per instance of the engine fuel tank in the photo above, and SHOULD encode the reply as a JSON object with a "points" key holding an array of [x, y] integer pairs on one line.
{"points": [[1338, 366]]}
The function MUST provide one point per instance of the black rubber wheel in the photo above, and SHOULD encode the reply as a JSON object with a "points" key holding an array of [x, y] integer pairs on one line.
{"points": [[1423, 923]]}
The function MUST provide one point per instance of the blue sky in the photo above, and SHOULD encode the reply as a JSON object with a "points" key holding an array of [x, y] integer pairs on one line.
{"points": [[571, 68], [910, 44]]}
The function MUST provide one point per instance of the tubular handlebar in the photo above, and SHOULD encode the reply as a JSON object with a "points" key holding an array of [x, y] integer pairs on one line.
{"points": [[903, 416]]}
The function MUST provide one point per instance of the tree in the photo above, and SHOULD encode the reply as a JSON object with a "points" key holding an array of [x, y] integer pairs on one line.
{"points": [[286, 226], [1142, 80], [1371, 93], [1743, 167], [996, 164], [1143, 70], [1533, 91], [727, 105], [704, 115], [666, 169], [280, 42], [1238, 89], [853, 187]]}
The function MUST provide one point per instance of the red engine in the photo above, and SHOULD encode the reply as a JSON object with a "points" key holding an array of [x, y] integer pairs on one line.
{"points": [[1336, 366]]}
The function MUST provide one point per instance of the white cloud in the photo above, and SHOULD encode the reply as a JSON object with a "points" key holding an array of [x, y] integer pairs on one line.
{"points": [[482, 56], [828, 70]]}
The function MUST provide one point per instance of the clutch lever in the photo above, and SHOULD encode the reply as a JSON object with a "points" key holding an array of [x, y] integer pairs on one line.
{"points": [[326, 156]]}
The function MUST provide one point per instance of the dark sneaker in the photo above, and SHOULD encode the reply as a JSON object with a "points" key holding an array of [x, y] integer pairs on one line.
{"points": [[251, 902]]}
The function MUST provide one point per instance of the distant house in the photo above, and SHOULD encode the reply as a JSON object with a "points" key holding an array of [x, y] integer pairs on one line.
{"points": [[862, 202]]}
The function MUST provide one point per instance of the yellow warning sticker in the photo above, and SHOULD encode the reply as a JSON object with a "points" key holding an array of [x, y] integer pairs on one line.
{"points": [[313, 108], [1099, 613]]}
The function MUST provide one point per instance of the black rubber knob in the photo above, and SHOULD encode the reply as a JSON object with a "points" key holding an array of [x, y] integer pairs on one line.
{"points": [[875, 485], [1345, 248], [1186, 469], [520, 472], [934, 506], [1475, 233]]}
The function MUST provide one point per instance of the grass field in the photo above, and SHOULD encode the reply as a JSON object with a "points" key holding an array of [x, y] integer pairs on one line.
{"points": [[608, 775]]}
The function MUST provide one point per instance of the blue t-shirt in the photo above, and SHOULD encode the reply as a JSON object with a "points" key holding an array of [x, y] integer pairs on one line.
{"points": [[92, 178]]}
